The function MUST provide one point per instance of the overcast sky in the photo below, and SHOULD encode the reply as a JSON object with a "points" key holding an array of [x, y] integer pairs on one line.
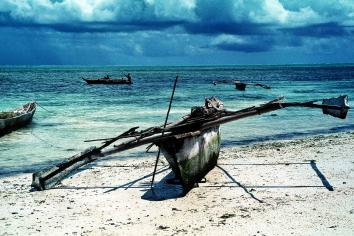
{"points": [[175, 32]]}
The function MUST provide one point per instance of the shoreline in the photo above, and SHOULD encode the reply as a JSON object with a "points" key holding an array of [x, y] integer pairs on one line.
{"points": [[301, 186], [226, 144]]}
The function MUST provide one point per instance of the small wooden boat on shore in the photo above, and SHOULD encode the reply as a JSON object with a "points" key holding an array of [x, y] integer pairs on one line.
{"points": [[16, 118], [107, 81], [191, 144]]}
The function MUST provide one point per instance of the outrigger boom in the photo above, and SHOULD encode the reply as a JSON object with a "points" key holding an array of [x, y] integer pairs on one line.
{"points": [[197, 124]]}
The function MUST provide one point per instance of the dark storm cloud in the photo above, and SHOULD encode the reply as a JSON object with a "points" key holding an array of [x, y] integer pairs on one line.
{"points": [[234, 28], [102, 27], [212, 17], [254, 44], [331, 29], [154, 28], [132, 16], [6, 20]]}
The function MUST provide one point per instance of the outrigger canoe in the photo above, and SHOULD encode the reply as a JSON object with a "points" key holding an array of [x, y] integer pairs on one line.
{"points": [[191, 144], [240, 85], [16, 118], [107, 81]]}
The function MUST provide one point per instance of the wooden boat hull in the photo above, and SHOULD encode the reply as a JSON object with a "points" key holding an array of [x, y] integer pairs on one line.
{"points": [[107, 81], [240, 86], [12, 124], [192, 157]]}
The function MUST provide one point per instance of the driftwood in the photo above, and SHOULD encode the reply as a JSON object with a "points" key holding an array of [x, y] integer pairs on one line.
{"points": [[212, 115]]}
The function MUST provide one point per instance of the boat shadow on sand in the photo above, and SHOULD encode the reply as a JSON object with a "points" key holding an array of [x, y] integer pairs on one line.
{"points": [[161, 190], [312, 163], [164, 191], [167, 188]]}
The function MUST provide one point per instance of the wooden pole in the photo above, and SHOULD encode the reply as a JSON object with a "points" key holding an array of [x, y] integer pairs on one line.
{"points": [[168, 112]]}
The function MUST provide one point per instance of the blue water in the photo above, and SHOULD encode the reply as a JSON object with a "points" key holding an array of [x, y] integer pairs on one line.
{"points": [[70, 111]]}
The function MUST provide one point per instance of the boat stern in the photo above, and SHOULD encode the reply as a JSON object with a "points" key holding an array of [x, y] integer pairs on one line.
{"points": [[192, 155]]}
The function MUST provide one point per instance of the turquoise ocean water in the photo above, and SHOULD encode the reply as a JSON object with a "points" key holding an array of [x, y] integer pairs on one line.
{"points": [[70, 111]]}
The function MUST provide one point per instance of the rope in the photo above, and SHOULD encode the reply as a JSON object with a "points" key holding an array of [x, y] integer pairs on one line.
{"points": [[45, 141], [44, 108]]}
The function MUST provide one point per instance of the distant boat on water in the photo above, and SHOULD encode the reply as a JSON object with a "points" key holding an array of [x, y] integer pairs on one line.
{"points": [[240, 85], [107, 80]]}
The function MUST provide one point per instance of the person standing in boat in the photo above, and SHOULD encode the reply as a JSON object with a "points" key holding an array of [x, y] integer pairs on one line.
{"points": [[128, 76], [107, 77]]}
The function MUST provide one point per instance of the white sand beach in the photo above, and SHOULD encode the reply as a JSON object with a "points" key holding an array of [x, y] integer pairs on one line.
{"points": [[302, 186]]}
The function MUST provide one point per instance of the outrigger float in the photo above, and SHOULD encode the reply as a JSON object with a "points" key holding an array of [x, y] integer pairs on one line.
{"points": [[240, 85], [191, 144]]}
